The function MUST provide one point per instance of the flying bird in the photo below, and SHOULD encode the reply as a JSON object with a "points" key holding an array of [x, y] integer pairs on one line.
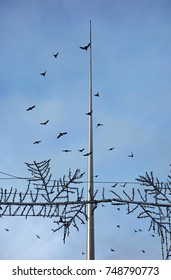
{"points": [[89, 113], [31, 108], [83, 253], [99, 124], [131, 155], [56, 55], [61, 134], [38, 236], [66, 151], [85, 155], [43, 73], [44, 123], [111, 149], [37, 142], [6, 229], [112, 250], [97, 94], [143, 251], [118, 226], [81, 150], [85, 47]]}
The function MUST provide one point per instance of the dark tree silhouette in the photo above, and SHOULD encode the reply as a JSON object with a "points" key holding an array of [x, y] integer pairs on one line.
{"points": [[65, 202]]}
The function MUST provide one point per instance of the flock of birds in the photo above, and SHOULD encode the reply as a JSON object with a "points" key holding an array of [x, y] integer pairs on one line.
{"points": [[131, 155], [63, 133], [111, 249]]}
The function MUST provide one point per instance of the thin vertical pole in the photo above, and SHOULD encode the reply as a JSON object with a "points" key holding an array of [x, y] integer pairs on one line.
{"points": [[90, 224]]}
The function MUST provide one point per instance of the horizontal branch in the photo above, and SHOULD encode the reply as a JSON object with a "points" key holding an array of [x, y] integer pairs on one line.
{"points": [[111, 200]]}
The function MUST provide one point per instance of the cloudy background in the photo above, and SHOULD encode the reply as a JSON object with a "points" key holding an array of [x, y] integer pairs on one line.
{"points": [[131, 71]]}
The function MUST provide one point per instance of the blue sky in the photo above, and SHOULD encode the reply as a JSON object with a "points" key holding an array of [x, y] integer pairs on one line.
{"points": [[131, 71]]}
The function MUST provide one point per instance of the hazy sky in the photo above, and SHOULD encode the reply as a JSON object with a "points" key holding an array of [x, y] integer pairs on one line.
{"points": [[131, 46]]}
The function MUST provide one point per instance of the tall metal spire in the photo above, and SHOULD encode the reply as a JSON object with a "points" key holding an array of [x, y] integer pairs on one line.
{"points": [[90, 224]]}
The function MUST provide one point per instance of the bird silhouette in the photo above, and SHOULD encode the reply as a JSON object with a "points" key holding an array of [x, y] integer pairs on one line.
{"points": [[85, 155], [61, 134], [43, 73], [89, 113], [85, 47], [66, 151], [81, 150], [6, 229], [118, 226], [97, 94], [37, 142], [111, 149], [131, 155], [56, 55], [38, 236], [83, 253], [99, 124], [112, 250], [143, 251], [44, 123], [31, 108]]}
